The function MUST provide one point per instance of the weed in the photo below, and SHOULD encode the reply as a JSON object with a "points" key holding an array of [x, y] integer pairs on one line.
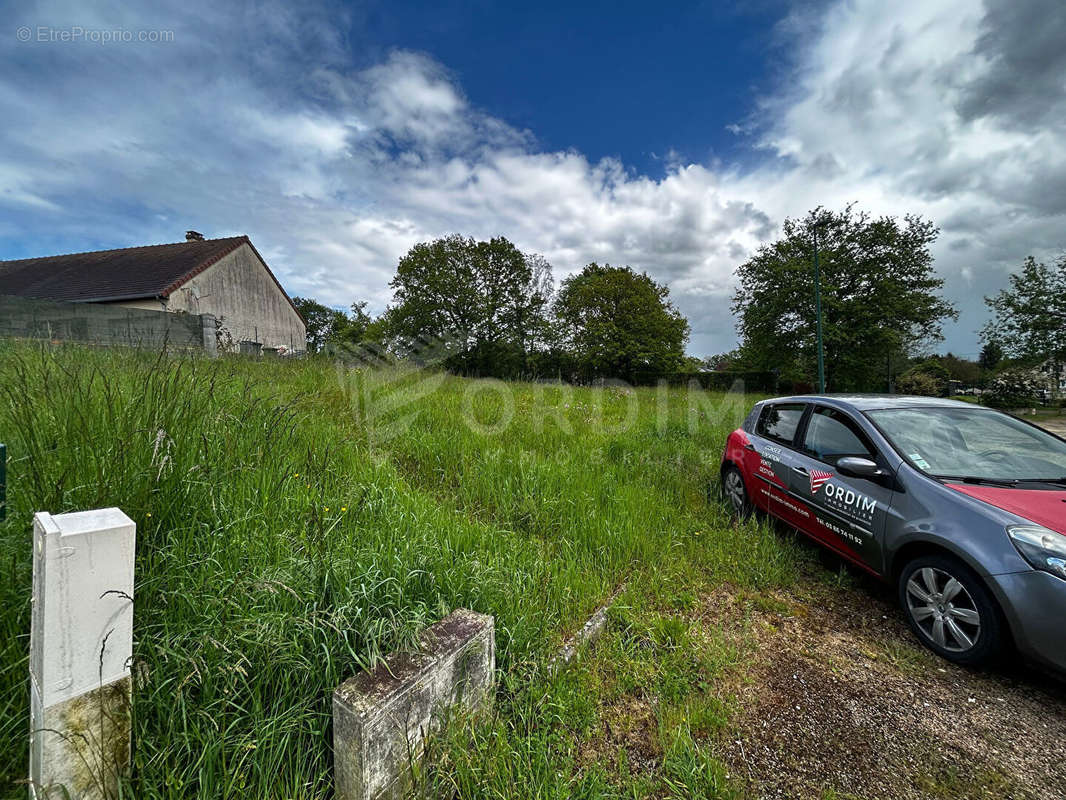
{"points": [[288, 538]]}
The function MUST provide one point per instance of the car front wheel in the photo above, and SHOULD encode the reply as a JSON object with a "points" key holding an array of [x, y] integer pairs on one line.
{"points": [[950, 610]]}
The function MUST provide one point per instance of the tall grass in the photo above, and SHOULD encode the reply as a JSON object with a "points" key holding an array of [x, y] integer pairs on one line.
{"points": [[287, 536]]}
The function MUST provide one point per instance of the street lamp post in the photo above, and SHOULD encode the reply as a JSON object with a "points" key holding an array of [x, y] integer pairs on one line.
{"points": [[818, 314]]}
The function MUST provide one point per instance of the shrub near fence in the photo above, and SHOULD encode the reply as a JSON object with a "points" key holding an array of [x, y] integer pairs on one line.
{"points": [[105, 324]]}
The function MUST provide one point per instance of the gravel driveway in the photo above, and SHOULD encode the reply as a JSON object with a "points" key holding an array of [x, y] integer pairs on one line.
{"points": [[842, 703], [1056, 425]]}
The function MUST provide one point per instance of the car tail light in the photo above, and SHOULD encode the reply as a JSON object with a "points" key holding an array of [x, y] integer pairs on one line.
{"points": [[1042, 548]]}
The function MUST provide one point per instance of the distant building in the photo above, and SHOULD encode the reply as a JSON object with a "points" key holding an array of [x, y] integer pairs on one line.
{"points": [[223, 277], [1054, 373]]}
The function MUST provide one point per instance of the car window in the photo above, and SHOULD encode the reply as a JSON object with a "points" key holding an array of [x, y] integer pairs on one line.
{"points": [[972, 442], [780, 421], [832, 435]]}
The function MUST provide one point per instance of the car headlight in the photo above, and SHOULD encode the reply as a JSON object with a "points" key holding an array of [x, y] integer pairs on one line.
{"points": [[1042, 548]]}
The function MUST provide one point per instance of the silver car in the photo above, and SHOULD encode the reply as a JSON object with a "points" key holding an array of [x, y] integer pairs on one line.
{"points": [[961, 507]]}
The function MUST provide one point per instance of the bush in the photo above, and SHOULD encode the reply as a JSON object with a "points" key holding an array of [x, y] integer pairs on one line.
{"points": [[929, 378], [918, 382], [1014, 388]]}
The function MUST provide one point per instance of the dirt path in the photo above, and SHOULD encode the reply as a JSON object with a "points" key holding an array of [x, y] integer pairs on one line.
{"points": [[842, 703]]}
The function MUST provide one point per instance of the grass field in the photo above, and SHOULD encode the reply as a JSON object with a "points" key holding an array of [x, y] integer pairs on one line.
{"points": [[297, 521]]}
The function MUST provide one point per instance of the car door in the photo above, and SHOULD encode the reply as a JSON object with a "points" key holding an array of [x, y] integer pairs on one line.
{"points": [[771, 458], [849, 512]]}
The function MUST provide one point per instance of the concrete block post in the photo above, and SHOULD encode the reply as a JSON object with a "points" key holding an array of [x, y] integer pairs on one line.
{"points": [[381, 718], [209, 326], [81, 640]]}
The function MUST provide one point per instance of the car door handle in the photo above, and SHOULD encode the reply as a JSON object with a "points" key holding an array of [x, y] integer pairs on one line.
{"points": [[800, 470], [749, 446]]}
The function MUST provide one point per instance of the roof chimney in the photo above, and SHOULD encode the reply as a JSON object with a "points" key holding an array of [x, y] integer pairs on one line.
{"points": [[194, 236]]}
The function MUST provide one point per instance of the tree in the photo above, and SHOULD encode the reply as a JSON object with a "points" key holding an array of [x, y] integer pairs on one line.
{"points": [[321, 321], [353, 329], [991, 355], [1029, 320], [1014, 388], [328, 327], [619, 323], [534, 321], [929, 377], [920, 383], [960, 369], [723, 361], [485, 301], [880, 297]]}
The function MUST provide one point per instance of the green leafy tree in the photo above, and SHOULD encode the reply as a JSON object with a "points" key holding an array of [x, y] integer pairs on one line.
{"points": [[322, 322], [328, 328], [618, 323], [723, 361], [960, 369], [486, 299], [1029, 321], [929, 378], [1015, 387], [353, 329], [880, 297], [991, 355], [919, 383]]}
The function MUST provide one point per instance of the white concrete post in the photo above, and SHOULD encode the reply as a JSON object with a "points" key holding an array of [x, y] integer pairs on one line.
{"points": [[81, 640]]}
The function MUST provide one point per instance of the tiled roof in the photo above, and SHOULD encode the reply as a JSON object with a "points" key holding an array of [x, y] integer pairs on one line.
{"points": [[127, 274]]}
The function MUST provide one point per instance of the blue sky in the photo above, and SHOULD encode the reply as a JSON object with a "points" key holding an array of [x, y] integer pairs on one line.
{"points": [[671, 137], [622, 80]]}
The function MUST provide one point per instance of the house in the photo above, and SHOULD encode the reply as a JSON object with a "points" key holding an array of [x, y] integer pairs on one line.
{"points": [[1054, 374], [226, 278]]}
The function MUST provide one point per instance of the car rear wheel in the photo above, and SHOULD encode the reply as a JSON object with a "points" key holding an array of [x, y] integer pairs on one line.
{"points": [[950, 610], [735, 493]]}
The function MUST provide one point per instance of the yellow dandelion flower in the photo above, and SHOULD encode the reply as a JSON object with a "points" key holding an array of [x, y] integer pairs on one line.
{"points": [[327, 508], [344, 508]]}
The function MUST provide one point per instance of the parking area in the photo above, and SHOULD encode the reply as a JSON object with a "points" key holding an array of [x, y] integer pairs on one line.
{"points": [[841, 702], [1056, 425]]}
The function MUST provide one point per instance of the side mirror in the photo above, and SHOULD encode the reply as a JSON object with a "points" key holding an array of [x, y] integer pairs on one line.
{"points": [[858, 467]]}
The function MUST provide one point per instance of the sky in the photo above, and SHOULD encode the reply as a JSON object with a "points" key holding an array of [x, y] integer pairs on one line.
{"points": [[673, 137]]}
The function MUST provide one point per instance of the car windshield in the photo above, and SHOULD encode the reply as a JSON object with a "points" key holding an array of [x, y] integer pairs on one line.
{"points": [[973, 443]]}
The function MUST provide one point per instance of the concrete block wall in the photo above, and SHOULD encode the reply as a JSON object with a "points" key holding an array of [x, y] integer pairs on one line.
{"points": [[381, 718], [104, 324]]}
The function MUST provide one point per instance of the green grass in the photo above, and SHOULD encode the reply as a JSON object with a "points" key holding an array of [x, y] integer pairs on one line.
{"points": [[296, 522]]}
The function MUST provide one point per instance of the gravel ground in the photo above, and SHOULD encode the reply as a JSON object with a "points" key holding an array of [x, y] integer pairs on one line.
{"points": [[1056, 425], [842, 703]]}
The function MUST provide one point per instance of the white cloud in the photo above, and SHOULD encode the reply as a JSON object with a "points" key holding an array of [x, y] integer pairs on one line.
{"points": [[910, 106]]}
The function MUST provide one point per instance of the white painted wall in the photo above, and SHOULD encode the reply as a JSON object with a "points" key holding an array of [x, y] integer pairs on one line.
{"points": [[238, 291]]}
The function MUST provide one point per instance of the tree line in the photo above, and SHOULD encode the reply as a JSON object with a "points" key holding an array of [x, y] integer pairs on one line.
{"points": [[492, 310], [883, 312]]}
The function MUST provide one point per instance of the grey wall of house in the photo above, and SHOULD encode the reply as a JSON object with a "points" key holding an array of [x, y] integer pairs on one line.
{"points": [[240, 293], [98, 323]]}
